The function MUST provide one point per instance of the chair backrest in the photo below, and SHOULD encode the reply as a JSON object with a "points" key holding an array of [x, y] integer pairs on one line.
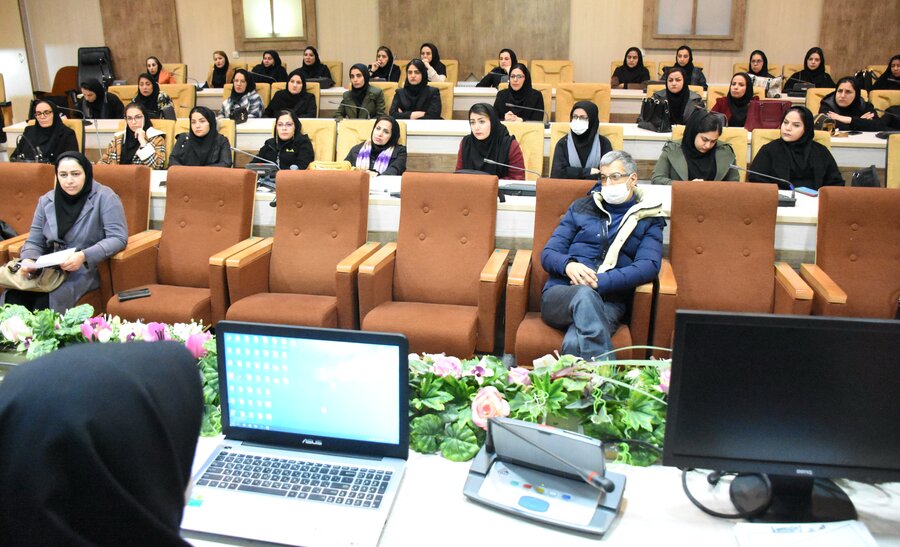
{"points": [[223, 126], [649, 65], [446, 90], [351, 132], [22, 185], [321, 218], [615, 134], [774, 69], [125, 93], [858, 246], [94, 62], [735, 136], [554, 196], [892, 168], [491, 64], [653, 88], [452, 69], [6, 110], [66, 79], [546, 92], [722, 245], [569, 94], [184, 98], [552, 71], [449, 216], [337, 71], [814, 96], [762, 136], [530, 136], [323, 134], [132, 184], [402, 64], [884, 99], [167, 127], [791, 69], [208, 209], [311, 87], [179, 70], [78, 127], [390, 89], [713, 92], [262, 89]]}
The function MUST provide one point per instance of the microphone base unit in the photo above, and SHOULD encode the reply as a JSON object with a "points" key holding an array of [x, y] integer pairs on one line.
{"points": [[786, 201]]}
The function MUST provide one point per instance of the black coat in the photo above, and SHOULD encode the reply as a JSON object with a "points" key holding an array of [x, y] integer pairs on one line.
{"points": [[298, 152], [774, 159], [305, 107], [534, 100], [428, 101], [397, 165], [66, 142]]}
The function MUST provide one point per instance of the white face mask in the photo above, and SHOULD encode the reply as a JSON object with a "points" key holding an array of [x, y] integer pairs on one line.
{"points": [[578, 126], [615, 194]]}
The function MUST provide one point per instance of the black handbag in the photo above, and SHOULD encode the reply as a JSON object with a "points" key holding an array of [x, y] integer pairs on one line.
{"points": [[6, 231], [655, 115], [867, 178]]}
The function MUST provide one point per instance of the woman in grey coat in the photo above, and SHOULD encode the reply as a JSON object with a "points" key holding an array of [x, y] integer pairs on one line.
{"points": [[81, 214]]}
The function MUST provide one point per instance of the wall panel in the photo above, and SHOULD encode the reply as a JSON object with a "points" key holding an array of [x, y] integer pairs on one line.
{"points": [[133, 32], [878, 23]]}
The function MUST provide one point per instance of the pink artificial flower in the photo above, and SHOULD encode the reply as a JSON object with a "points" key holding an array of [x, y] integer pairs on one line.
{"points": [[447, 366], [96, 329], [195, 343], [15, 330], [665, 378], [519, 375], [154, 332], [488, 403]]}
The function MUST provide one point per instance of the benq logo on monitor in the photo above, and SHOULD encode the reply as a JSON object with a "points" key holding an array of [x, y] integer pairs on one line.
{"points": [[313, 442], [804, 472]]}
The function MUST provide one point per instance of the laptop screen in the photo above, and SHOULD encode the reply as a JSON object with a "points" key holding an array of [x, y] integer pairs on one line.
{"points": [[313, 383]]}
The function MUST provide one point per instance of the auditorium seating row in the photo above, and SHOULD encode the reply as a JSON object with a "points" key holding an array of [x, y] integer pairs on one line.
{"points": [[442, 282]]}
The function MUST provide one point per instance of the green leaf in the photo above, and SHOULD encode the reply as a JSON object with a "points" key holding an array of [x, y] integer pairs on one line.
{"points": [[458, 389], [638, 414], [74, 317], [425, 432], [42, 324], [460, 444], [431, 395], [37, 348], [211, 425]]}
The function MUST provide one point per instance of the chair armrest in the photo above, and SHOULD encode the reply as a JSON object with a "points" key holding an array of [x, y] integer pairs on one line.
{"points": [[517, 289], [667, 283], [12, 243], [490, 291], [135, 265], [792, 295], [376, 280], [664, 315], [247, 272], [218, 282], [822, 284], [346, 285]]}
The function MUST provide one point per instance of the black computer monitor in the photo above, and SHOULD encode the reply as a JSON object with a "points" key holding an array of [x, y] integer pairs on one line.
{"points": [[789, 401]]}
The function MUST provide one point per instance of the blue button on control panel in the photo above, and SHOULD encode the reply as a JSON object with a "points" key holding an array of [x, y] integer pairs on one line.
{"points": [[534, 504]]}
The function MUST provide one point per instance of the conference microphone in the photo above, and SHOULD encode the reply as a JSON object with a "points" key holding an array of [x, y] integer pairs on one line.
{"points": [[543, 112], [197, 83], [492, 162], [368, 116], [258, 75], [891, 114], [783, 201], [36, 150], [595, 478]]}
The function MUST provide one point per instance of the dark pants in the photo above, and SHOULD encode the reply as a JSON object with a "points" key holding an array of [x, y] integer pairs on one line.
{"points": [[32, 300], [586, 318]]}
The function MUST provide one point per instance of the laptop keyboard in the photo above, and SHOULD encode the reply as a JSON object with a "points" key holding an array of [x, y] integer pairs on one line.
{"points": [[334, 484]]}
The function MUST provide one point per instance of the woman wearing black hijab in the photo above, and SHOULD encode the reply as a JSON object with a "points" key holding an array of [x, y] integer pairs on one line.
{"points": [[313, 70], [520, 94], [97, 104], [490, 140], [361, 101], [221, 72], [381, 154], [139, 143], [270, 70], [632, 72], [734, 106], [47, 138], [155, 70], [416, 100], [848, 109], [293, 97], [813, 71], [80, 214], [288, 147], [203, 146], [684, 59], [156, 103], [699, 156], [759, 65], [577, 155], [437, 71], [384, 69], [682, 101], [890, 78], [499, 74], [97, 443], [244, 95], [796, 156]]}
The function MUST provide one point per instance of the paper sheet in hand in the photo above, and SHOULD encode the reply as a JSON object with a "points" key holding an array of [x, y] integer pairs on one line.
{"points": [[831, 534], [54, 259]]}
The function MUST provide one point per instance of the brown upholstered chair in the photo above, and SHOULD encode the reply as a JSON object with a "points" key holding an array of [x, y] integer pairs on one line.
{"points": [[857, 269], [722, 256], [21, 185], [306, 274], [209, 212], [527, 336], [132, 184], [440, 283]]}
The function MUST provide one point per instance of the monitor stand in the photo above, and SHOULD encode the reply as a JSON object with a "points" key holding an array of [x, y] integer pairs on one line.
{"points": [[793, 499]]}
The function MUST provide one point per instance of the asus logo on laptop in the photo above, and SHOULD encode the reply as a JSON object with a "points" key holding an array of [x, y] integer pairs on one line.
{"points": [[312, 442]]}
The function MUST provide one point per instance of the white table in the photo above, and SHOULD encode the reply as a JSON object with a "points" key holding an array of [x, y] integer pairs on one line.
{"points": [[431, 510]]}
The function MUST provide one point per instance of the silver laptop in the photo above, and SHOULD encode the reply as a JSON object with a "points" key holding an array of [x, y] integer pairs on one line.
{"points": [[316, 436]]}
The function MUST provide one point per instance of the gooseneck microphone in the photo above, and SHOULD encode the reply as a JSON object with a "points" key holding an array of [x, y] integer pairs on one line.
{"points": [[783, 201], [264, 181], [492, 162], [351, 105], [197, 83], [590, 476], [544, 112], [36, 151], [885, 112]]}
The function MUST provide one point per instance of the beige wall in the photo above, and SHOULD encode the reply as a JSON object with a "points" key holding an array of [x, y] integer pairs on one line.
{"points": [[13, 60]]}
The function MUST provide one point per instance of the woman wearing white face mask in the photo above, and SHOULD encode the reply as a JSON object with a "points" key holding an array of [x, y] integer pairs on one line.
{"points": [[577, 155]]}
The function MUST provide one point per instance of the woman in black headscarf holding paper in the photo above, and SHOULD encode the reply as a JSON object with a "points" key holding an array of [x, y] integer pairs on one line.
{"points": [[47, 138], [203, 145], [270, 70], [577, 155], [293, 97], [416, 100], [813, 71], [490, 141], [520, 93], [796, 156], [97, 443], [632, 72]]}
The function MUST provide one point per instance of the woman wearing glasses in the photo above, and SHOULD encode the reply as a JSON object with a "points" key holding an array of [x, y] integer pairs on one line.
{"points": [[47, 138], [139, 143], [526, 103], [577, 155], [288, 147]]}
